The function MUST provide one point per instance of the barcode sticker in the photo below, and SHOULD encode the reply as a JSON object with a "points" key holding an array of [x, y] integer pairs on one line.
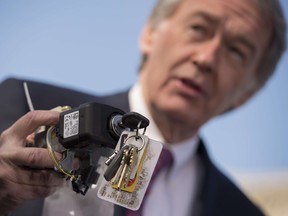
{"points": [[71, 124]]}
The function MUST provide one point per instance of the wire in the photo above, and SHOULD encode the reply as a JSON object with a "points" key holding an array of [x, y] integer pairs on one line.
{"points": [[48, 138], [53, 156]]}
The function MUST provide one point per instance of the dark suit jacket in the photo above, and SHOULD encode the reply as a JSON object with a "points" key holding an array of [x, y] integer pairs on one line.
{"points": [[217, 195]]}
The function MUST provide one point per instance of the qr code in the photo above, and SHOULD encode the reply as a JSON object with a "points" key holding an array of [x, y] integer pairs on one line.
{"points": [[71, 124]]}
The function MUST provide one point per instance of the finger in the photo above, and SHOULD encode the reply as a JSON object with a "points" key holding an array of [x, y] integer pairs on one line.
{"points": [[30, 141], [30, 138], [32, 177], [31, 157], [28, 123]]}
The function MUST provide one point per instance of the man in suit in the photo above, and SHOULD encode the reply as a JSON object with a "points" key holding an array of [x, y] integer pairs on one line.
{"points": [[201, 58]]}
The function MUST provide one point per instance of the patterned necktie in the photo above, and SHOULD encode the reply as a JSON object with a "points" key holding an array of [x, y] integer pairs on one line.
{"points": [[165, 160]]}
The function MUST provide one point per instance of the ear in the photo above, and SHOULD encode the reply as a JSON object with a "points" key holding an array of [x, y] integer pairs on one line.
{"points": [[146, 39]]}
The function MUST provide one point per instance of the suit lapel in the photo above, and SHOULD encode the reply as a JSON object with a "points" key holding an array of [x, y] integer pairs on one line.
{"points": [[217, 195], [205, 184]]}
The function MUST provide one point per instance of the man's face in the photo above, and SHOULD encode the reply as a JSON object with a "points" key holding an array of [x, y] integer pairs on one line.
{"points": [[202, 60]]}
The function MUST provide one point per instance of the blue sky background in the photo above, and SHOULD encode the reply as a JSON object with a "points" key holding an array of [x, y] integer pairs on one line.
{"points": [[92, 46]]}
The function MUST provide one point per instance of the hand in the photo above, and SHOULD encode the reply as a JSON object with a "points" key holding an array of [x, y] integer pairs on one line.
{"points": [[25, 173]]}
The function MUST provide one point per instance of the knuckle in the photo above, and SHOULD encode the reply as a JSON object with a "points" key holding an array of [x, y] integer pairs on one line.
{"points": [[41, 117], [30, 117], [33, 157], [45, 177]]}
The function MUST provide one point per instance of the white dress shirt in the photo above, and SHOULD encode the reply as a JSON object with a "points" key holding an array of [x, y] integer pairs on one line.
{"points": [[174, 189]]}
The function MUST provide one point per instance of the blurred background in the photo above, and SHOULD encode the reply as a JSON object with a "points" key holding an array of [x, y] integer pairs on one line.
{"points": [[92, 46]]}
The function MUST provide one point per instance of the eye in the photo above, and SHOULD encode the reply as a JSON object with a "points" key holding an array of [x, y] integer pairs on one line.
{"points": [[200, 29], [237, 53], [198, 32]]}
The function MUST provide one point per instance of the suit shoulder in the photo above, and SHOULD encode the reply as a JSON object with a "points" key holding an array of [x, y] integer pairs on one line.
{"points": [[219, 195], [230, 200]]}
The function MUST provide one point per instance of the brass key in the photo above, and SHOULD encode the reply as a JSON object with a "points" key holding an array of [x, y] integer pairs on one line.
{"points": [[116, 178], [133, 159], [125, 160]]}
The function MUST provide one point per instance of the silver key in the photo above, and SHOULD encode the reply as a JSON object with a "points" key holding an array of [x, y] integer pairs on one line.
{"points": [[111, 157], [114, 164]]}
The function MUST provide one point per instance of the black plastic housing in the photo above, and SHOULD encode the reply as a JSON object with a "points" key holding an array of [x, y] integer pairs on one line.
{"points": [[93, 127]]}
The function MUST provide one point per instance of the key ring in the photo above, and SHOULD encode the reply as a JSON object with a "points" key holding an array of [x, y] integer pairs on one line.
{"points": [[137, 137], [137, 131], [138, 128]]}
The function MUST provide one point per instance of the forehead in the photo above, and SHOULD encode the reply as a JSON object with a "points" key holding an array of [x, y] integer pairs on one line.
{"points": [[237, 18], [245, 12]]}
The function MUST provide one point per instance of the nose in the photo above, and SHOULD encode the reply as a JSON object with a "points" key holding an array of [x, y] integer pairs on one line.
{"points": [[207, 55]]}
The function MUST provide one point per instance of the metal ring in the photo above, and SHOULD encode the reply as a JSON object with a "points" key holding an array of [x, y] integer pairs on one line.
{"points": [[143, 141]]}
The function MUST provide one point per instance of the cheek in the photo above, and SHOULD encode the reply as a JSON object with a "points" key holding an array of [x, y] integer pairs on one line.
{"points": [[229, 92], [166, 48], [158, 70], [151, 81]]}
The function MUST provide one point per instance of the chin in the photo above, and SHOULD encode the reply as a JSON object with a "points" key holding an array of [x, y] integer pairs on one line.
{"points": [[176, 113]]}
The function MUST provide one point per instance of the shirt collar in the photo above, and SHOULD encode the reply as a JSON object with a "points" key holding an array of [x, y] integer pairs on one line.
{"points": [[183, 151]]}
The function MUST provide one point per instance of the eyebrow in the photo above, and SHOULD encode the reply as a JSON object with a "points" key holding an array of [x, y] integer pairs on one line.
{"points": [[208, 17], [214, 20]]}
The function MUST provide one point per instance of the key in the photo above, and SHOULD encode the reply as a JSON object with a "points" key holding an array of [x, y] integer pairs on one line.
{"points": [[133, 159], [132, 119], [114, 164], [126, 164], [111, 157], [115, 179]]}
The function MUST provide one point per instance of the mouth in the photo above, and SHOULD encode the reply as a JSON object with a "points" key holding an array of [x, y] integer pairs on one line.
{"points": [[190, 88]]}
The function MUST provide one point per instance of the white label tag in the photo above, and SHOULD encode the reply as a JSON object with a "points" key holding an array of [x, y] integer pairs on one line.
{"points": [[133, 200], [71, 124]]}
